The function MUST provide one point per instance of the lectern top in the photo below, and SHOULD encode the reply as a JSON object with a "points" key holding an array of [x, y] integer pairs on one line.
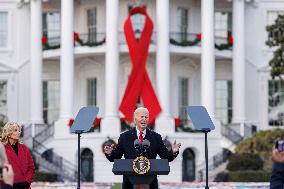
{"points": [[200, 118], [84, 119]]}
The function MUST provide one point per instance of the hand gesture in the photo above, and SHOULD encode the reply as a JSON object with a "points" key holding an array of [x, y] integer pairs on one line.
{"points": [[8, 174], [277, 156], [175, 146], [108, 149]]}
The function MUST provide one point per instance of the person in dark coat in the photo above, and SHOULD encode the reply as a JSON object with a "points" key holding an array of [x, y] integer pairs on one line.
{"points": [[277, 175], [126, 140], [18, 156]]}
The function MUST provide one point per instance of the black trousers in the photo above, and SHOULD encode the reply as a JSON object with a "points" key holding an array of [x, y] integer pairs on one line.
{"points": [[127, 184], [277, 176]]}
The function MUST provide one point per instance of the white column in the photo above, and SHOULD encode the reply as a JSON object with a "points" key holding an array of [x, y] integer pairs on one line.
{"points": [[208, 57], [165, 123], [36, 63], [110, 123], [238, 61], [66, 60]]}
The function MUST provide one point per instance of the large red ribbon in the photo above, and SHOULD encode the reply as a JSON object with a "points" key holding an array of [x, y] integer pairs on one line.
{"points": [[139, 83]]}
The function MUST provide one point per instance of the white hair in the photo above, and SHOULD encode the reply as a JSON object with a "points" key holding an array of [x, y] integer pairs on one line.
{"points": [[138, 110]]}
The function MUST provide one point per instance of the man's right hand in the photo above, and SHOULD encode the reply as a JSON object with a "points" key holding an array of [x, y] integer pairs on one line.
{"points": [[108, 149]]}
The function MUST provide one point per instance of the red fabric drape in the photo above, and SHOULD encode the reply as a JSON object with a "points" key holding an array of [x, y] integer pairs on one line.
{"points": [[139, 83]]}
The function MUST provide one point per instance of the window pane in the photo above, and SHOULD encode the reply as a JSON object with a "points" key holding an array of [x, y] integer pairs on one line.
{"points": [[3, 29], [3, 98], [224, 101], [182, 21], [51, 26], [92, 92], [50, 101], [223, 24], [183, 99], [92, 24], [275, 102], [272, 15]]}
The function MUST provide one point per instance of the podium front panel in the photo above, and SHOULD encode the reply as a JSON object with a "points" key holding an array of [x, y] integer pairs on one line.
{"points": [[124, 167]]}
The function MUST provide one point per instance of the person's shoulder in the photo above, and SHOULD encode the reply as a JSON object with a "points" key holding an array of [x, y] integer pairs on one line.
{"points": [[127, 132], [153, 133]]}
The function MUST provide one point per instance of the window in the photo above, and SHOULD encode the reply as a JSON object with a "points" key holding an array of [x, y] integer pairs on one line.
{"points": [[224, 101], [51, 27], [182, 21], [188, 165], [276, 103], [183, 99], [50, 101], [223, 24], [92, 24], [87, 162], [138, 21], [92, 92], [272, 15], [271, 18], [3, 98], [3, 29]]}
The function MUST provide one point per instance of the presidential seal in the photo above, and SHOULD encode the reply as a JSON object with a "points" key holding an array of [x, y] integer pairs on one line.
{"points": [[141, 165]]}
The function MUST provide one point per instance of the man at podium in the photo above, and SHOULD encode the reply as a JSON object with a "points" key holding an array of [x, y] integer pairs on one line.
{"points": [[127, 145]]}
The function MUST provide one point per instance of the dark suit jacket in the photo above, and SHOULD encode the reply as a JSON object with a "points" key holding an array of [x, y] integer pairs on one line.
{"points": [[277, 176], [125, 147]]}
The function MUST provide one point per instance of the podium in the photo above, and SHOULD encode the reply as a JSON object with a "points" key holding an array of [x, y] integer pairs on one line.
{"points": [[125, 167]]}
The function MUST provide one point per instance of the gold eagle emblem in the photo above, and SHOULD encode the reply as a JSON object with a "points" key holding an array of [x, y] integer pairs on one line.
{"points": [[141, 165]]}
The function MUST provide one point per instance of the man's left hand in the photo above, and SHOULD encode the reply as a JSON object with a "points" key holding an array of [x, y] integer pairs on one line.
{"points": [[175, 147]]}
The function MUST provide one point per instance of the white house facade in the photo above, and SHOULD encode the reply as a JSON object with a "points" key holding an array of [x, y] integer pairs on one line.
{"points": [[57, 56]]}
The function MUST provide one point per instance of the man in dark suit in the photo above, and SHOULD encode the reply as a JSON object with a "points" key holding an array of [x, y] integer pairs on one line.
{"points": [[125, 145], [277, 176]]}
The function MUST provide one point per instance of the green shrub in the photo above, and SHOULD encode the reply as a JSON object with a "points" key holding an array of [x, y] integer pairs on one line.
{"points": [[238, 162], [249, 176], [44, 176], [222, 177], [261, 143]]}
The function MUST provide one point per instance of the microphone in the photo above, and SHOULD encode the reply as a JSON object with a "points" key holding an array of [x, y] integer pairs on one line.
{"points": [[145, 145], [137, 146]]}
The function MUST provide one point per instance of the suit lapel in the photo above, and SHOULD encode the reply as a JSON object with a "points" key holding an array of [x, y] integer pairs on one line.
{"points": [[133, 134], [148, 134]]}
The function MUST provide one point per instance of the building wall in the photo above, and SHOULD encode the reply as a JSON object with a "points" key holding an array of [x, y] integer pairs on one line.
{"points": [[90, 62]]}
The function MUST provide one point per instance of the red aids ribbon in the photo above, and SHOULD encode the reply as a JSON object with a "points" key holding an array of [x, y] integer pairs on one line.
{"points": [[139, 83]]}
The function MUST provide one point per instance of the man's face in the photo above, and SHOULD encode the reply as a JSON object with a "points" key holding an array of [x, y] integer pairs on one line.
{"points": [[141, 120]]}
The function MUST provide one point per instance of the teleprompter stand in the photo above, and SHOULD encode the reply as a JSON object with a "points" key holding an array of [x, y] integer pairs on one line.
{"points": [[82, 124], [201, 122]]}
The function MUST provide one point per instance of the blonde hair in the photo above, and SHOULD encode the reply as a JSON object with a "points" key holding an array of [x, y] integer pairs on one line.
{"points": [[7, 131]]}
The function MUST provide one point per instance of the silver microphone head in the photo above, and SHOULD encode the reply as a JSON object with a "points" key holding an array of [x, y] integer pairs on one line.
{"points": [[136, 143], [146, 143]]}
